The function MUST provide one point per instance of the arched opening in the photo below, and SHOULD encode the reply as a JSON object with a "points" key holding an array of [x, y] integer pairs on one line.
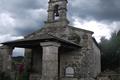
{"points": [[56, 12], [18, 63], [69, 72]]}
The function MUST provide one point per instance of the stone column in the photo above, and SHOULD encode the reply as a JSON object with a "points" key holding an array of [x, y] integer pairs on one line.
{"points": [[6, 52], [50, 60]]}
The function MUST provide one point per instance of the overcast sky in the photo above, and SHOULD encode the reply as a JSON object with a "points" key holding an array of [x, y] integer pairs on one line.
{"points": [[21, 17]]}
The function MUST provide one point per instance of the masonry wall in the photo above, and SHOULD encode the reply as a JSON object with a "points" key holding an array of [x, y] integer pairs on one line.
{"points": [[28, 54], [69, 59], [33, 60], [6, 59], [97, 59], [81, 61], [1, 60], [84, 61], [37, 60]]}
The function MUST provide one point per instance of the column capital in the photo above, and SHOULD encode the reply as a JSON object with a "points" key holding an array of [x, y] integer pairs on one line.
{"points": [[43, 44]]}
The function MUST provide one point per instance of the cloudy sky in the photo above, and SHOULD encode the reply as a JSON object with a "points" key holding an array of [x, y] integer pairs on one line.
{"points": [[21, 17]]}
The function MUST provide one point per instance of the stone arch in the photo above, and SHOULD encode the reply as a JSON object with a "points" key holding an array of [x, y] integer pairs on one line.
{"points": [[56, 10]]}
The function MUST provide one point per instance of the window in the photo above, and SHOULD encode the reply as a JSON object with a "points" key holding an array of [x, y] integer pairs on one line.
{"points": [[69, 72]]}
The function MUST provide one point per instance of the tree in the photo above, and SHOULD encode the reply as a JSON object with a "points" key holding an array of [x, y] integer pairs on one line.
{"points": [[111, 51]]}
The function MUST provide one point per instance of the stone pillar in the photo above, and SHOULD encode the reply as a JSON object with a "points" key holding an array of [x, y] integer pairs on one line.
{"points": [[6, 52], [28, 54], [1, 59], [50, 60]]}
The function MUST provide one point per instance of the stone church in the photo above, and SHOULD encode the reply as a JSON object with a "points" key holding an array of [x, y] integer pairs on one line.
{"points": [[58, 51]]}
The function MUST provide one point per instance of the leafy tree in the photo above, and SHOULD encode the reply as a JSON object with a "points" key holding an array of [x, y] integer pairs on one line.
{"points": [[110, 51]]}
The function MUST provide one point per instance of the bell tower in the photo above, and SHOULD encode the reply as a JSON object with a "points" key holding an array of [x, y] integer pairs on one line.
{"points": [[57, 12]]}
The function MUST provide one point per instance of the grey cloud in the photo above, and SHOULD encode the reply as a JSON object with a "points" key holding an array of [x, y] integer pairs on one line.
{"points": [[22, 4], [96, 9], [29, 23], [29, 15]]}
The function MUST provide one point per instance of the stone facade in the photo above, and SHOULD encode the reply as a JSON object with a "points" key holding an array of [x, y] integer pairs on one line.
{"points": [[85, 61], [59, 51]]}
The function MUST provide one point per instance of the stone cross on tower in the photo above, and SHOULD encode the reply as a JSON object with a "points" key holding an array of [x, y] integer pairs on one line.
{"points": [[57, 11]]}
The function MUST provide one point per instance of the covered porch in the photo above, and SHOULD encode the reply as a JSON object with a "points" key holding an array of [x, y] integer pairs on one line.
{"points": [[44, 57]]}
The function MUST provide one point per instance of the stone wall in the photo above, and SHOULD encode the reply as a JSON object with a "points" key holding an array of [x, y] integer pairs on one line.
{"points": [[33, 60], [1, 60], [28, 55], [97, 59], [85, 61], [80, 61], [37, 60], [5, 52]]}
